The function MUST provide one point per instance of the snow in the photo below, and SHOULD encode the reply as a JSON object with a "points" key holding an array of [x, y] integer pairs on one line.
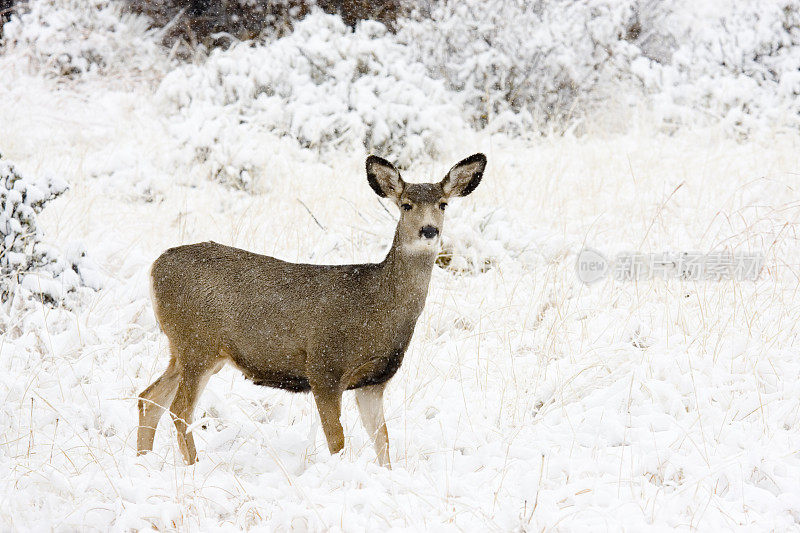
{"points": [[526, 400]]}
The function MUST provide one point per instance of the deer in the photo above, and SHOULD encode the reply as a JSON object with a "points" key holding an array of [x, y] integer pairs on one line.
{"points": [[299, 327]]}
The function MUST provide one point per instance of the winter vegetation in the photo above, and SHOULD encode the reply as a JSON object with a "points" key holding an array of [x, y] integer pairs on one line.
{"points": [[527, 400], [27, 264]]}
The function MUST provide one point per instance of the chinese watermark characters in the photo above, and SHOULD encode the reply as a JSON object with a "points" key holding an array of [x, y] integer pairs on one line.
{"points": [[592, 266]]}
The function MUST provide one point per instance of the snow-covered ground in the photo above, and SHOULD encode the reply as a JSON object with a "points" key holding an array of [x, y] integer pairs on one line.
{"points": [[527, 401]]}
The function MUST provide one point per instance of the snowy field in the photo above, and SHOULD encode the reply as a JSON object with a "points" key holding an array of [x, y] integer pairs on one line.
{"points": [[527, 401]]}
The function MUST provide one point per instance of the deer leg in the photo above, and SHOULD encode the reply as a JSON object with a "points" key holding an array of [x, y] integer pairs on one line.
{"points": [[152, 403], [370, 406], [329, 405], [182, 410]]}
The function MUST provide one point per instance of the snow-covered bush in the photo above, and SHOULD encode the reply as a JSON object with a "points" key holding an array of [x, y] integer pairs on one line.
{"points": [[323, 85], [734, 62], [212, 23], [70, 38], [543, 65], [521, 65], [24, 259], [185, 24]]}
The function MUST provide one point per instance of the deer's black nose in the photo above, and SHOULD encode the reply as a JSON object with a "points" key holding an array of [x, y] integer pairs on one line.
{"points": [[429, 232]]}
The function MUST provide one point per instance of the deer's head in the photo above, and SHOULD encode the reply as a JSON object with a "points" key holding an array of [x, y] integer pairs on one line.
{"points": [[422, 205]]}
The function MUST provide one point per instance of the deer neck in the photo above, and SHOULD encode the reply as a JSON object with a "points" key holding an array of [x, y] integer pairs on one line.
{"points": [[407, 274]]}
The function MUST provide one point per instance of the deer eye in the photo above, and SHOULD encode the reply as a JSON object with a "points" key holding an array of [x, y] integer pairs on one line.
{"points": [[406, 207], [443, 206]]}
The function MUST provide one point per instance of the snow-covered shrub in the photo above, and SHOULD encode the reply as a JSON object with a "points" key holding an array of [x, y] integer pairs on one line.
{"points": [[216, 22], [521, 65], [323, 85], [735, 62], [24, 259], [71, 38], [213, 23], [543, 65]]}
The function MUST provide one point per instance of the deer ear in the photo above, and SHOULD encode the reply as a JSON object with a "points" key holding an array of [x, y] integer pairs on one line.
{"points": [[465, 176], [384, 179]]}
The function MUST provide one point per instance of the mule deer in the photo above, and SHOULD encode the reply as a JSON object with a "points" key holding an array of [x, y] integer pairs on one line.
{"points": [[300, 327]]}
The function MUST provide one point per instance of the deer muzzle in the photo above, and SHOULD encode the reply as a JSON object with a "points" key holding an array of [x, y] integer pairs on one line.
{"points": [[429, 232]]}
